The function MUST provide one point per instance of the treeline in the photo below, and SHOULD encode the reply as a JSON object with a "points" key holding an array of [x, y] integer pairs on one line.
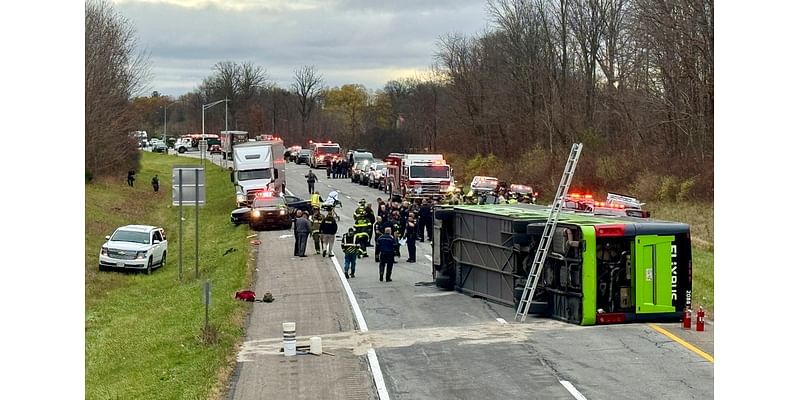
{"points": [[631, 79]]}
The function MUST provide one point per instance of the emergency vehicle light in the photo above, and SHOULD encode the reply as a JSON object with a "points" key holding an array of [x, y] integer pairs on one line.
{"points": [[610, 230]]}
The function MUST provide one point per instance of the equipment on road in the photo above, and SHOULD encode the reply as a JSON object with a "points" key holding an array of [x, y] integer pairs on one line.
{"points": [[547, 234]]}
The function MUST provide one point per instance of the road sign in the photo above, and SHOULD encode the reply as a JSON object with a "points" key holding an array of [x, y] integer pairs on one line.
{"points": [[188, 185]]}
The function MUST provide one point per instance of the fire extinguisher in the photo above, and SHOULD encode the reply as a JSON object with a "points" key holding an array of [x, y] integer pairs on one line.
{"points": [[687, 318], [701, 323]]}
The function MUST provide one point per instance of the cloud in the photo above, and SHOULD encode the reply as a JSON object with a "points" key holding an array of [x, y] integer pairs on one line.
{"points": [[349, 41]]}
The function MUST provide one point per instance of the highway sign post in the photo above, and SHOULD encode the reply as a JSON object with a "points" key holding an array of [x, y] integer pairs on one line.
{"points": [[188, 188]]}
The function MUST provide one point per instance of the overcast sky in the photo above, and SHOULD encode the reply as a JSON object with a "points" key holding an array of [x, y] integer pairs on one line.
{"points": [[349, 41]]}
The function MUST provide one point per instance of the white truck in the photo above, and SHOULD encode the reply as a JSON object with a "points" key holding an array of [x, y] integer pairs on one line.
{"points": [[258, 166]]}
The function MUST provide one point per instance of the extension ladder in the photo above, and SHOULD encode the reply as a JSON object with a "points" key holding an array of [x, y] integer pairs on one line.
{"points": [[547, 235]]}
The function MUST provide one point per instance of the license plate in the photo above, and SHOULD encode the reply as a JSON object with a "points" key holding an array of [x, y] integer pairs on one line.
{"points": [[120, 265]]}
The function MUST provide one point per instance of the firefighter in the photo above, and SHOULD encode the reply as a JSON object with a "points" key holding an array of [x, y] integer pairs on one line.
{"points": [[512, 198], [351, 252], [378, 229], [362, 226], [316, 221], [371, 219]]}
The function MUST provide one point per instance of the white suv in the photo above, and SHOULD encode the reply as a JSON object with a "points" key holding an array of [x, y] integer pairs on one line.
{"points": [[140, 247]]}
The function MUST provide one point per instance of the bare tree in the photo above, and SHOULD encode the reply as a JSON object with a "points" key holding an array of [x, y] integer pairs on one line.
{"points": [[115, 71], [307, 86]]}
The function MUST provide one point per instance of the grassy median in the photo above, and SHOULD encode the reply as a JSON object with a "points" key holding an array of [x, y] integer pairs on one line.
{"points": [[144, 334]]}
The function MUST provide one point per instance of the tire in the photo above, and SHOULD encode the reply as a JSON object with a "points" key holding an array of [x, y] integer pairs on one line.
{"points": [[443, 214], [149, 265], [102, 268], [163, 259], [181, 150]]}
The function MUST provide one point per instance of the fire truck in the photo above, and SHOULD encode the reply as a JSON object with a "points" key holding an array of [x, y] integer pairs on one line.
{"points": [[323, 153], [418, 176]]}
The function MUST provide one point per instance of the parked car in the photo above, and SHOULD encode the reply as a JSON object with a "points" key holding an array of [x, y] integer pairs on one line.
{"points": [[158, 146], [295, 203], [153, 141], [303, 157], [376, 172], [135, 247], [215, 149]]}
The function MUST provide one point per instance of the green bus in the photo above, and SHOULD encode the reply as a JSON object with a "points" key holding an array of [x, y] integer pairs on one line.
{"points": [[599, 270]]}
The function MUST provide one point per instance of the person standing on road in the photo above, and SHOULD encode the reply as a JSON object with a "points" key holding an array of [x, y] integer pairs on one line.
{"points": [[329, 168], [154, 182], [316, 199], [411, 238], [311, 179], [328, 228], [302, 227], [316, 222], [425, 220], [371, 219], [351, 252], [377, 228], [386, 244], [131, 177]]}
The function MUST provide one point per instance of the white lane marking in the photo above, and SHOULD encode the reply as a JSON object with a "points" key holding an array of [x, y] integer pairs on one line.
{"points": [[429, 258], [362, 323], [284, 236], [348, 197], [435, 294], [502, 321], [374, 365], [383, 394], [571, 389]]}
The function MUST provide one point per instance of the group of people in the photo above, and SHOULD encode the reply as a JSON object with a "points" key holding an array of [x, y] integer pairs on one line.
{"points": [[500, 196], [339, 169], [393, 225], [132, 177]]}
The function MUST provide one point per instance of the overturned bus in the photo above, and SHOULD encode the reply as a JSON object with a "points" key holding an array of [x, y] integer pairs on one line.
{"points": [[599, 270]]}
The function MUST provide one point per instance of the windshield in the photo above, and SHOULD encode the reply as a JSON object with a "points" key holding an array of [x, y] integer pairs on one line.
{"points": [[360, 158], [131, 236], [438, 171], [328, 149], [268, 202], [254, 174]]}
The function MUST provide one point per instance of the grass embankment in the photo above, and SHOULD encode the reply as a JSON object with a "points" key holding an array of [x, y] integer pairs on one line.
{"points": [[143, 333], [700, 217]]}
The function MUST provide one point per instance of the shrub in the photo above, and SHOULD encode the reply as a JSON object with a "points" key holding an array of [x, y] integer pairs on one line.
{"points": [[686, 190], [646, 186], [668, 189]]}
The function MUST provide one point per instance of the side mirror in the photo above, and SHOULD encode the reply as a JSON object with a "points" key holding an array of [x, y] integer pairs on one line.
{"points": [[232, 176], [108, 237], [156, 241]]}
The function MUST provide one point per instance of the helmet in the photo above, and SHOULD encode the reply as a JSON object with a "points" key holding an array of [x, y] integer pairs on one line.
{"points": [[362, 202]]}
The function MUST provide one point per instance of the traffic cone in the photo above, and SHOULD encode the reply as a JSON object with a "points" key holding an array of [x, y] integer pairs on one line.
{"points": [[701, 322], [687, 318]]}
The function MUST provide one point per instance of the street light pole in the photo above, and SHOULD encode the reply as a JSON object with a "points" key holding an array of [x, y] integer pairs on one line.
{"points": [[206, 107]]}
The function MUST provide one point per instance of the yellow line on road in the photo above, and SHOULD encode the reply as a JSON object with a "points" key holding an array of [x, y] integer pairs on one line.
{"points": [[689, 346]]}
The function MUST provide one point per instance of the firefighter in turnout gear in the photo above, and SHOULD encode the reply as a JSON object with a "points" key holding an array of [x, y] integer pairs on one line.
{"points": [[362, 226], [351, 253], [316, 221]]}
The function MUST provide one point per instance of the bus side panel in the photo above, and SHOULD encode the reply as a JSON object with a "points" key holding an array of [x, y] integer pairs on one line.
{"points": [[589, 276]]}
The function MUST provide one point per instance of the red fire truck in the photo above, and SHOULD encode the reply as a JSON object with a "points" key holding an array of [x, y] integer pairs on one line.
{"points": [[418, 176], [323, 153]]}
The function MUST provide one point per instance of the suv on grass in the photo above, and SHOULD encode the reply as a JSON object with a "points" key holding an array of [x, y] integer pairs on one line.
{"points": [[136, 247]]}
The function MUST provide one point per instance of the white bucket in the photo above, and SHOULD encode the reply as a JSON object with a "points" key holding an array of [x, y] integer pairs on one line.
{"points": [[289, 339], [316, 345]]}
